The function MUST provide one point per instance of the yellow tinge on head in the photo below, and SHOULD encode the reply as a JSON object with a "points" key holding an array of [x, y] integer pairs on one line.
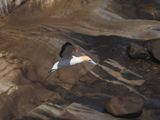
{"points": [[85, 58]]}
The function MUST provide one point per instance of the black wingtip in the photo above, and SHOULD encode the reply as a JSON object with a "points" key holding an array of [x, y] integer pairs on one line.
{"points": [[50, 71], [65, 47]]}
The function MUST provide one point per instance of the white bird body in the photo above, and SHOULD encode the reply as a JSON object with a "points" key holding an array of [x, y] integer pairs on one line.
{"points": [[69, 62]]}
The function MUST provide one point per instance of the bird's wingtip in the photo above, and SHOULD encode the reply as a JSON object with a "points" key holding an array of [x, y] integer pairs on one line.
{"points": [[50, 71]]}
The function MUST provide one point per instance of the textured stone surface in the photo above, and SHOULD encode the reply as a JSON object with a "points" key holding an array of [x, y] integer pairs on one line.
{"points": [[74, 111], [136, 51], [155, 49], [126, 106], [7, 6], [31, 38]]}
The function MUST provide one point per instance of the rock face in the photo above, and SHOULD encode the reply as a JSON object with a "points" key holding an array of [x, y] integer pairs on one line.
{"points": [[74, 111], [10, 72], [150, 10], [32, 37], [136, 51], [7, 6], [127, 106], [155, 45]]}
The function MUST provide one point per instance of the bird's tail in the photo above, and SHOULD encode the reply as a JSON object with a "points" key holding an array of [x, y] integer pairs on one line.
{"points": [[52, 70]]}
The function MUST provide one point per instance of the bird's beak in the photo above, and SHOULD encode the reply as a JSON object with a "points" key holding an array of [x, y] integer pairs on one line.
{"points": [[91, 61]]}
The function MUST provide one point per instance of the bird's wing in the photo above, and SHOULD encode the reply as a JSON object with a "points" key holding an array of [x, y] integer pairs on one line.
{"points": [[66, 51]]}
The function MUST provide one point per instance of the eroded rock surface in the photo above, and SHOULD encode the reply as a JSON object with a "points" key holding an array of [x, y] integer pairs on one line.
{"points": [[31, 38], [74, 111], [126, 106]]}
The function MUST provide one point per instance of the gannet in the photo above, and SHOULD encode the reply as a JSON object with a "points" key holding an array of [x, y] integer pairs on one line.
{"points": [[69, 62], [68, 59]]}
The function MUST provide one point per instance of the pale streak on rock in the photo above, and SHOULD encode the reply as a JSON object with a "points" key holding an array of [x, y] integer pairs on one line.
{"points": [[120, 77], [123, 69], [119, 83], [44, 4]]}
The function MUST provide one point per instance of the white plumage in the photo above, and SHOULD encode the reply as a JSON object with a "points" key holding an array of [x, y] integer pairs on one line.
{"points": [[68, 59], [69, 62]]}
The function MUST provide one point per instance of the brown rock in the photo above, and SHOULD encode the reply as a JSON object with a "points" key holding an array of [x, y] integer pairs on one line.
{"points": [[126, 106], [155, 45], [136, 51], [148, 11], [74, 111], [8, 6]]}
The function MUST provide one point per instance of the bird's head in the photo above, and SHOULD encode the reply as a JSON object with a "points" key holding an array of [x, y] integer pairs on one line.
{"points": [[87, 59]]}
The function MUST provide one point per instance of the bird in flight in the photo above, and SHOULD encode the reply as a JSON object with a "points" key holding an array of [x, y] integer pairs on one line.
{"points": [[69, 56]]}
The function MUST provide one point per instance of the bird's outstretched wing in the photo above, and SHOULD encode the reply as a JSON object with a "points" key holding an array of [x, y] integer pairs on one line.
{"points": [[66, 51]]}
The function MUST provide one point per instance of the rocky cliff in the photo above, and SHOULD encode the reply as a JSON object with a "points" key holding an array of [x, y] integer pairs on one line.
{"points": [[121, 35]]}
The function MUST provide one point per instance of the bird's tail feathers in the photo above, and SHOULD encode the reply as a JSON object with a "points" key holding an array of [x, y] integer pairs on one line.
{"points": [[52, 70]]}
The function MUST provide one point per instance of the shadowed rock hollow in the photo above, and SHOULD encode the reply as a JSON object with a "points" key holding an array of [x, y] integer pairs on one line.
{"points": [[32, 34]]}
